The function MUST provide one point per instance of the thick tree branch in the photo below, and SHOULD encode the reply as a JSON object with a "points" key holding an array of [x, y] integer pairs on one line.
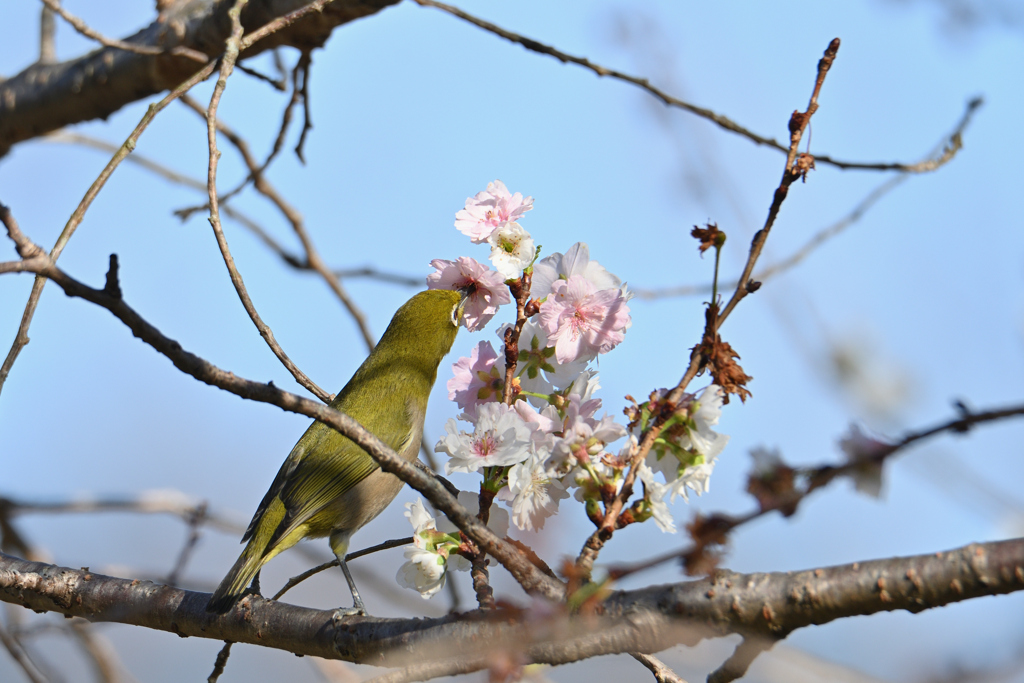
{"points": [[45, 97], [767, 605]]}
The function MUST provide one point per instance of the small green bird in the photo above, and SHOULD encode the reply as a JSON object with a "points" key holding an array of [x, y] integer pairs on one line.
{"points": [[329, 486]]}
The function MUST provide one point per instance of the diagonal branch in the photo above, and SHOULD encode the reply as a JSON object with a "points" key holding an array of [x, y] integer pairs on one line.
{"points": [[21, 338], [797, 166], [227, 65], [312, 261], [45, 97], [944, 150], [83, 28], [35, 259], [21, 657], [716, 526], [721, 121]]}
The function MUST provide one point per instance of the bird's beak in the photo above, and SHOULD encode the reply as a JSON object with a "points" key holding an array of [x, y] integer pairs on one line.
{"points": [[465, 292]]}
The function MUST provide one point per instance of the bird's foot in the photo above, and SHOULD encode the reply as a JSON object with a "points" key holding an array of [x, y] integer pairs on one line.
{"points": [[343, 613]]}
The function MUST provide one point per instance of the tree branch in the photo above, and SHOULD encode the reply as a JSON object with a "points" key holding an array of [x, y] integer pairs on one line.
{"points": [[721, 121], [45, 97], [767, 605], [944, 150]]}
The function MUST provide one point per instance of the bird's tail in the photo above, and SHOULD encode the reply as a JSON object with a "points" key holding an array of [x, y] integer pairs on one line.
{"points": [[232, 588]]}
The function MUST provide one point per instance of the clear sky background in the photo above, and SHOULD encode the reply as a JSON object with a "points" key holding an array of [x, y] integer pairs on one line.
{"points": [[414, 110]]}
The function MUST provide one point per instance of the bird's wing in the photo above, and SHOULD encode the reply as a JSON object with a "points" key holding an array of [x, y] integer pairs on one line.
{"points": [[313, 435], [314, 483]]}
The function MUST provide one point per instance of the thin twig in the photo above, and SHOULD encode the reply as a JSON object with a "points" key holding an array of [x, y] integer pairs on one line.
{"points": [[642, 83], [306, 64], [793, 259], [21, 338], [662, 672], [822, 475], [296, 580], [313, 259], [227, 64], [254, 172], [83, 28], [98, 649], [166, 501], [277, 84], [220, 662], [294, 260], [944, 150], [195, 524], [796, 167], [375, 274], [21, 657], [259, 34], [47, 37], [740, 660], [173, 176]]}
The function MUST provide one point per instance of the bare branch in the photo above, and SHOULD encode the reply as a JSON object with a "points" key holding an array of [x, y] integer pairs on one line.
{"points": [[195, 524], [164, 501], [662, 672], [304, 67], [719, 120], [21, 657], [21, 338], [83, 28], [275, 83], [98, 649], [46, 97], [296, 580], [770, 605], [797, 166], [220, 662], [740, 660], [313, 260], [227, 65], [817, 478], [47, 37], [943, 150]]}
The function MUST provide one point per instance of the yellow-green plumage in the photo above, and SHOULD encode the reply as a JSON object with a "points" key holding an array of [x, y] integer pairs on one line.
{"points": [[329, 486]]}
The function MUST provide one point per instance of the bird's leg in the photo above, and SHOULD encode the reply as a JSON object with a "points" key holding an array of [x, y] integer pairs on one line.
{"points": [[339, 544]]}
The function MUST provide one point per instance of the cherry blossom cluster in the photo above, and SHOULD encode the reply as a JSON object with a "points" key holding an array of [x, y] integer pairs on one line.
{"points": [[541, 439], [684, 453]]}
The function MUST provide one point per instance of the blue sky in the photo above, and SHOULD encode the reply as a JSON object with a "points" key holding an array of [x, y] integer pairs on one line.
{"points": [[415, 110]]}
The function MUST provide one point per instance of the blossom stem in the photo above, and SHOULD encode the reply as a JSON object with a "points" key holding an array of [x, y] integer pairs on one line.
{"points": [[520, 290], [714, 282]]}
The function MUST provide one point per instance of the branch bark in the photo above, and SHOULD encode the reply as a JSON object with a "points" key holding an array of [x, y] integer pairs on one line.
{"points": [[768, 605], [45, 97]]}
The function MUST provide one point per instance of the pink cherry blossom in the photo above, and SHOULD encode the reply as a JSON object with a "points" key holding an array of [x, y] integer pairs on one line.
{"points": [[582, 323], [486, 288], [575, 261], [489, 209], [477, 379]]}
